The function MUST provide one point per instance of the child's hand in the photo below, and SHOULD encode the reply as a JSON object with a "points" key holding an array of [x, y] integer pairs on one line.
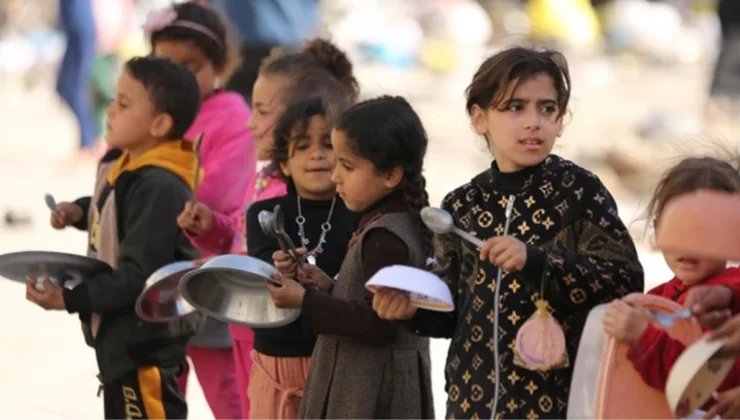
{"points": [[506, 252], [729, 331], [196, 218], [393, 304], [624, 322], [52, 298], [311, 275], [285, 264], [710, 304], [727, 407], [289, 295], [67, 214]]}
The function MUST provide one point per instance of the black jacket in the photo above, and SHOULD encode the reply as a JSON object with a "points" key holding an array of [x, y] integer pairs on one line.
{"points": [[144, 205]]}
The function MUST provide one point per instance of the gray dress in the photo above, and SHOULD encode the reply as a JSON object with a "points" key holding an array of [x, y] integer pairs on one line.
{"points": [[350, 379]]}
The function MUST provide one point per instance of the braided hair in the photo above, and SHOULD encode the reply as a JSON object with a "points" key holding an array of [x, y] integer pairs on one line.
{"points": [[388, 132]]}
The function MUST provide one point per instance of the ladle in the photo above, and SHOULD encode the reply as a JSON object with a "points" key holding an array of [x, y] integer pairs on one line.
{"points": [[440, 222]]}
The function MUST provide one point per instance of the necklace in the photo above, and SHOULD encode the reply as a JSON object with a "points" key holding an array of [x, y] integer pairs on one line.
{"points": [[325, 228]]}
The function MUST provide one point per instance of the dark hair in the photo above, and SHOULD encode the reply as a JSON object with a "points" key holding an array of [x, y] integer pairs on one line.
{"points": [[388, 132], [319, 94], [223, 51], [315, 54], [172, 90], [516, 65], [689, 175]]}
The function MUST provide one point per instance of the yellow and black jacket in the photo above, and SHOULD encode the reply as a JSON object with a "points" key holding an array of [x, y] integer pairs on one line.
{"points": [[131, 221]]}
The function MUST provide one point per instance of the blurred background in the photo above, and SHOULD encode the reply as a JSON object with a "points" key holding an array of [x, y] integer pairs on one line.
{"points": [[652, 81]]}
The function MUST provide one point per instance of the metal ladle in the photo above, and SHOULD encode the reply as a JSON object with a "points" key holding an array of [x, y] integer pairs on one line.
{"points": [[440, 222]]}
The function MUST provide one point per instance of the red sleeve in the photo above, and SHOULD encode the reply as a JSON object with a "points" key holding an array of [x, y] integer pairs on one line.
{"points": [[653, 356]]}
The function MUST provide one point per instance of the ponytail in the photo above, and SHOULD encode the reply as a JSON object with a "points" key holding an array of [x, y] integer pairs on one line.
{"points": [[415, 193]]}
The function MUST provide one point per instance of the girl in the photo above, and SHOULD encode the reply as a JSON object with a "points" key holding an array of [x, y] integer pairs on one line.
{"points": [[314, 217], [653, 352], [284, 75], [195, 36], [363, 367], [567, 248]]}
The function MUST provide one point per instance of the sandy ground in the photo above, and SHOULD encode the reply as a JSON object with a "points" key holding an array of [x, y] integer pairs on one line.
{"points": [[46, 371]]}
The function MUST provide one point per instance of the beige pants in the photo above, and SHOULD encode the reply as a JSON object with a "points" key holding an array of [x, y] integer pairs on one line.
{"points": [[276, 386]]}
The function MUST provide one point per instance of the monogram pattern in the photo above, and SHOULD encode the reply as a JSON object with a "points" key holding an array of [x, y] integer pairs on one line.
{"points": [[565, 213]]}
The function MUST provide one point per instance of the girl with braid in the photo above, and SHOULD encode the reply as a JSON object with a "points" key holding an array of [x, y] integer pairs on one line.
{"points": [[364, 367], [566, 251]]}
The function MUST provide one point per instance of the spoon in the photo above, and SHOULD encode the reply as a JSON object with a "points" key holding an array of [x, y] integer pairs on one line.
{"points": [[266, 220], [440, 222], [279, 225], [667, 320], [51, 203]]}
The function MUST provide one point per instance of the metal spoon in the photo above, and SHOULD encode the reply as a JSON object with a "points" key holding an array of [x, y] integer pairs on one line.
{"points": [[667, 320], [440, 222], [196, 149], [51, 203], [279, 225]]}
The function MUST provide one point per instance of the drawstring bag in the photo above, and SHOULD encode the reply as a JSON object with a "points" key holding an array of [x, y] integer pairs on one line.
{"points": [[540, 342]]}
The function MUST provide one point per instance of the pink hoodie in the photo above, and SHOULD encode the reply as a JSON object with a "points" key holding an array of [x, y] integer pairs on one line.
{"points": [[228, 159]]}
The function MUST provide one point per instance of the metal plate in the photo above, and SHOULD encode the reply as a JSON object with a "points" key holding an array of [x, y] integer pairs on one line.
{"points": [[231, 288], [161, 301], [62, 269]]}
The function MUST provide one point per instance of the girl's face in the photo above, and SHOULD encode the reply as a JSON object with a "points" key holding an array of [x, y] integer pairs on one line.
{"points": [[358, 182], [689, 269], [521, 131], [311, 160], [266, 109], [190, 56]]}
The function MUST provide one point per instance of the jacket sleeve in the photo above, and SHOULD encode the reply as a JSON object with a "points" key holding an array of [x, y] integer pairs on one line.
{"points": [[653, 356], [326, 314], [228, 164], [447, 266], [84, 203], [594, 261], [259, 245], [152, 236]]}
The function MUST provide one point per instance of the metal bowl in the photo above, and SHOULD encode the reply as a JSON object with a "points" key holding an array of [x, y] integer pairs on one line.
{"points": [[63, 270], [161, 301], [231, 288]]}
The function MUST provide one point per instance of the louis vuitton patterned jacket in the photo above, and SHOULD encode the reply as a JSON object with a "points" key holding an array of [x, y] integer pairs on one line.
{"points": [[578, 252]]}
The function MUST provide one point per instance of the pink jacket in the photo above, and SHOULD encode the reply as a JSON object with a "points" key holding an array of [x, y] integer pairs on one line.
{"points": [[261, 187], [228, 159]]}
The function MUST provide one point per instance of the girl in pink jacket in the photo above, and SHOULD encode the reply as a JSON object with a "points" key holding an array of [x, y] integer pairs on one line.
{"points": [[196, 37]]}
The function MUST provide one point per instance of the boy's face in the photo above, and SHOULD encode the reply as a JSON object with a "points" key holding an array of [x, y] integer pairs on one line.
{"points": [[132, 118]]}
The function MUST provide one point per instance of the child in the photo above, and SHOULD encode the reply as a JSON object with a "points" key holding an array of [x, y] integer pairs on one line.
{"points": [[653, 352], [283, 77], [196, 37], [363, 367], [314, 218], [131, 223], [567, 246]]}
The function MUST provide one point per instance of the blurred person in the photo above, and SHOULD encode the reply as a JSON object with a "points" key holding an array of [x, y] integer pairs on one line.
{"points": [[263, 25], [724, 91], [75, 74]]}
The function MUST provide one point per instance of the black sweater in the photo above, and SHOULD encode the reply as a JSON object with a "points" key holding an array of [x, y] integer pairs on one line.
{"points": [[293, 340]]}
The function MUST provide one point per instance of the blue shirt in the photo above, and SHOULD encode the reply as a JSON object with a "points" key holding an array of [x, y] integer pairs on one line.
{"points": [[272, 22]]}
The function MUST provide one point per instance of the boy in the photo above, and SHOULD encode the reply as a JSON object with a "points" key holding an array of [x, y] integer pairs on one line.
{"points": [[143, 184]]}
